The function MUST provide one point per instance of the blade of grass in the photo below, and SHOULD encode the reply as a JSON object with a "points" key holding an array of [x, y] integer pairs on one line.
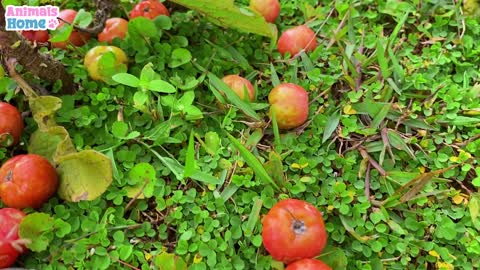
{"points": [[276, 131], [332, 124], [178, 168], [398, 142], [190, 157], [274, 76], [253, 217], [234, 98], [381, 116], [307, 63], [382, 60], [252, 161]]}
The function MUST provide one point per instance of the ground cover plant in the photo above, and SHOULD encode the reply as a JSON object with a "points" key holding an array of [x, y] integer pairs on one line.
{"points": [[161, 164]]}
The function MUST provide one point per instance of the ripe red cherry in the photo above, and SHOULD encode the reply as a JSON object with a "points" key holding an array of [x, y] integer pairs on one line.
{"points": [[293, 230], [238, 85], [76, 38], [297, 39], [40, 36], [27, 181], [149, 9], [290, 104], [269, 9], [11, 122], [308, 264], [10, 247], [114, 28]]}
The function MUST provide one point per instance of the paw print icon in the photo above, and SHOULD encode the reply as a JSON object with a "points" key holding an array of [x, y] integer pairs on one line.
{"points": [[52, 23]]}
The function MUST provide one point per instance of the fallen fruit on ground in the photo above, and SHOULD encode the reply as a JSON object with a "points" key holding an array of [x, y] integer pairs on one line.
{"points": [[38, 36], [149, 9], [76, 38], [11, 123], [269, 9], [297, 39], [27, 181], [93, 56], [239, 85], [114, 28], [10, 249], [293, 230], [308, 264], [289, 102]]}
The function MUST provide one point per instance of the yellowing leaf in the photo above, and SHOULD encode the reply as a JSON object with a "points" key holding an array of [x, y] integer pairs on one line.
{"points": [[458, 199], [434, 254], [444, 266], [84, 175], [197, 259], [299, 166]]}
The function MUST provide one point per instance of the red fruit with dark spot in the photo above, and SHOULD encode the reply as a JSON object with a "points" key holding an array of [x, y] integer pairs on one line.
{"points": [[27, 181], [293, 230], [149, 9], [290, 104], [297, 39], [11, 122]]}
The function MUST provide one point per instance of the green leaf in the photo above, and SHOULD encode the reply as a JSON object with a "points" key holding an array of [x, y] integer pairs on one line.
{"points": [[147, 74], [382, 60], [252, 161], [226, 14], [274, 168], [61, 34], [126, 79], [461, 121], [119, 129], [83, 18], [35, 227], [398, 142], [179, 57], [253, 217], [212, 142], [51, 143], [161, 86], [169, 261], [332, 124], [334, 257], [163, 22], [141, 176], [474, 209], [141, 26], [108, 67], [84, 175], [140, 98], [190, 157], [380, 116]]}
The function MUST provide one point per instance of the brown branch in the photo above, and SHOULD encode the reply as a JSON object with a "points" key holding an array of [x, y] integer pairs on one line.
{"points": [[379, 168], [104, 8], [13, 46]]}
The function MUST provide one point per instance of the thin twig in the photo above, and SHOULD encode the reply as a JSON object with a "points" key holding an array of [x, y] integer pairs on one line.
{"points": [[379, 168], [129, 204]]}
